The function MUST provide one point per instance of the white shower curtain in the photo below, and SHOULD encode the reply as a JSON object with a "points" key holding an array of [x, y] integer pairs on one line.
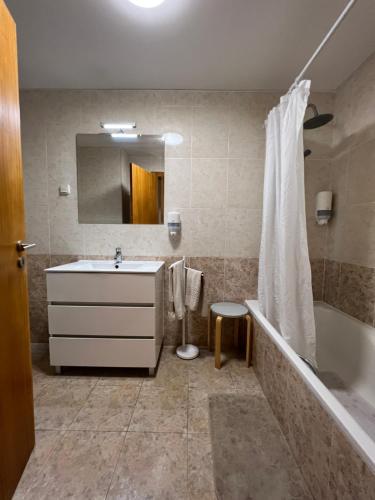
{"points": [[284, 285]]}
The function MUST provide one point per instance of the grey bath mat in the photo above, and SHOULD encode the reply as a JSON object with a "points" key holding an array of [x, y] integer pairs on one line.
{"points": [[252, 460]]}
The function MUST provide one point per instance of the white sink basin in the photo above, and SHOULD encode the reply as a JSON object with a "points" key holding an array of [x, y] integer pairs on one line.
{"points": [[108, 266]]}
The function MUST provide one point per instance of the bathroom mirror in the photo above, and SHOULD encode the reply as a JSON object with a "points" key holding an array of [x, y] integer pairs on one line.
{"points": [[120, 179]]}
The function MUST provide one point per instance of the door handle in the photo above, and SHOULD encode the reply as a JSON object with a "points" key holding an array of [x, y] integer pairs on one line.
{"points": [[21, 246]]}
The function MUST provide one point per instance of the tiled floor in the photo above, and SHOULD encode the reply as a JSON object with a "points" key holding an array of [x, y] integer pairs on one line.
{"points": [[122, 435]]}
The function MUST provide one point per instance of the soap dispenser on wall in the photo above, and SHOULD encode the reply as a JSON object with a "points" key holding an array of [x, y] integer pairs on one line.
{"points": [[323, 210], [174, 224]]}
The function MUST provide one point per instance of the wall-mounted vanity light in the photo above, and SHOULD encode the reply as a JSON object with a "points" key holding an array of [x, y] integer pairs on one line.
{"points": [[118, 126], [124, 135]]}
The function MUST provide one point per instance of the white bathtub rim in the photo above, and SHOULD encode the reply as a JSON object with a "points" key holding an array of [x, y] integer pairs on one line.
{"points": [[360, 439]]}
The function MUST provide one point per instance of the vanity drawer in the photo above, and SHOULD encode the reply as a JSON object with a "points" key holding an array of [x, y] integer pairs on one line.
{"points": [[101, 288], [103, 321], [102, 352]]}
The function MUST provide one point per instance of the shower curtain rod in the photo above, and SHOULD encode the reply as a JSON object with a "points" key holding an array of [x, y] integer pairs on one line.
{"points": [[322, 44]]}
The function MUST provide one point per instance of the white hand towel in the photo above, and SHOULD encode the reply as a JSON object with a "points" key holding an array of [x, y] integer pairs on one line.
{"points": [[177, 290], [193, 289]]}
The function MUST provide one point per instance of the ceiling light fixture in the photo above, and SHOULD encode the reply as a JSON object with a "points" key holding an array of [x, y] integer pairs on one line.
{"points": [[118, 126], [147, 4], [123, 135]]}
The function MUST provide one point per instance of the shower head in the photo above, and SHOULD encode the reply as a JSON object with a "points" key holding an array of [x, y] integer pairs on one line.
{"points": [[307, 152], [317, 120]]}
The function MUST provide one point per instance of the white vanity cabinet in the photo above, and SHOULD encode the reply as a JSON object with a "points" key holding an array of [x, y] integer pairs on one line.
{"points": [[102, 316]]}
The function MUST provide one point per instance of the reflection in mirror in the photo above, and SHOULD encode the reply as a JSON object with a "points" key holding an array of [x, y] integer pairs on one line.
{"points": [[120, 180]]}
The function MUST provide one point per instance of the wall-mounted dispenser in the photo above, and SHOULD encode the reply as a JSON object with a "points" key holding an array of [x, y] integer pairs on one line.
{"points": [[174, 224], [323, 210]]}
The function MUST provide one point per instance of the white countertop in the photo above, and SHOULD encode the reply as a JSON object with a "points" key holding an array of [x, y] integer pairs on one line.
{"points": [[108, 266]]}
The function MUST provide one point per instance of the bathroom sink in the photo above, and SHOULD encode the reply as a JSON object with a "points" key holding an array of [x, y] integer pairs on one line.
{"points": [[108, 266]]}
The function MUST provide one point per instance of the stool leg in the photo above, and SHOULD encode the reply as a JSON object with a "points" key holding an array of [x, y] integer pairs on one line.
{"points": [[249, 340], [209, 329], [236, 328], [219, 320]]}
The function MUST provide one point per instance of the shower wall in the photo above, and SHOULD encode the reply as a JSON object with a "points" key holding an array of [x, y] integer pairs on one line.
{"points": [[350, 264]]}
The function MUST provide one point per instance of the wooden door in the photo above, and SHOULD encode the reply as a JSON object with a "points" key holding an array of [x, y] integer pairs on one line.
{"points": [[144, 195], [16, 401]]}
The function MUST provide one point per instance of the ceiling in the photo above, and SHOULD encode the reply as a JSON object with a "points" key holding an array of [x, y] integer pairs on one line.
{"points": [[188, 44]]}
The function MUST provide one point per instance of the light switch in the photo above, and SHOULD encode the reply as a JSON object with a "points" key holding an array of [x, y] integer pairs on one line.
{"points": [[64, 190]]}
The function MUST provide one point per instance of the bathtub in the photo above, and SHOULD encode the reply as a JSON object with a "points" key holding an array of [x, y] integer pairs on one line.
{"points": [[329, 422], [346, 348]]}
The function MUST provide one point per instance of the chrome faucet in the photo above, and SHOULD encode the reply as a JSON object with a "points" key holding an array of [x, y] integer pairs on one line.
{"points": [[118, 256]]}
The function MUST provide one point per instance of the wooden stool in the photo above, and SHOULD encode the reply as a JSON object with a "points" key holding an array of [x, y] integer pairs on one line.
{"points": [[229, 310]]}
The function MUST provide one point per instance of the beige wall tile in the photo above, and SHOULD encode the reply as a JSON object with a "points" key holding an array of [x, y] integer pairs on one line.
{"points": [[317, 238], [361, 174], [363, 101], [243, 229], [210, 132], [339, 184], [246, 131], [359, 235], [177, 183], [245, 183], [206, 231], [342, 111], [209, 183], [38, 228], [336, 236]]}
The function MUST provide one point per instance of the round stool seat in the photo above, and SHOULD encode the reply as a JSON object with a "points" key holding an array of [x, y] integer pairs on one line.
{"points": [[229, 309]]}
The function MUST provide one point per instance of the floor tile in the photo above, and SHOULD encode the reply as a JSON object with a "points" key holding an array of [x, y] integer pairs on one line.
{"points": [[58, 402], [210, 378], [108, 408], [159, 420], [102, 419], [245, 380], [113, 396], [45, 442], [200, 468], [55, 417], [122, 381], [198, 408], [161, 409], [171, 373], [81, 467], [127, 377], [151, 466], [63, 392], [164, 398]]}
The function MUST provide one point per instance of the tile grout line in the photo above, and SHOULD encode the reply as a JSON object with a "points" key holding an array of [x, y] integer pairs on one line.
{"points": [[116, 465], [123, 443], [135, 404], [83, 404]]}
